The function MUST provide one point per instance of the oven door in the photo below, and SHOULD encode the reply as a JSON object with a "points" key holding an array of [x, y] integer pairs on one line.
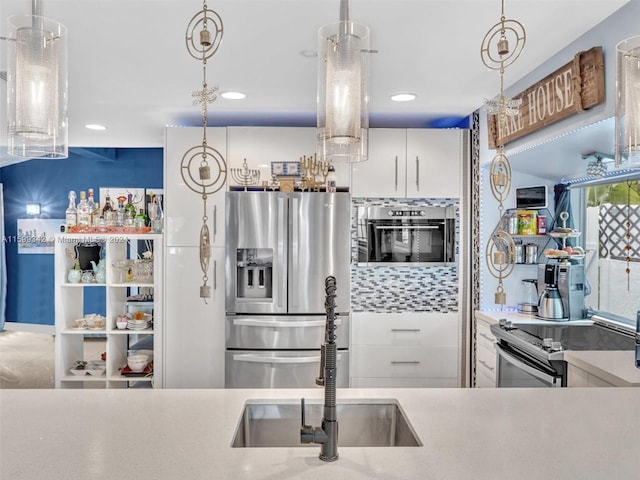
{"points": [[514, 369]]}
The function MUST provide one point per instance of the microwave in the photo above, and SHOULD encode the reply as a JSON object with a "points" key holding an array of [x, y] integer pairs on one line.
{"points": [[406, 235]]}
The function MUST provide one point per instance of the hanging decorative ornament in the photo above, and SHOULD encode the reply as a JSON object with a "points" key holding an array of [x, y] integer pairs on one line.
{"points": [[497, 54], [203, 168]]}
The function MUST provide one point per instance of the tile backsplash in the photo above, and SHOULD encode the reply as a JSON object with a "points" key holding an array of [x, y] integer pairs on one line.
{"points": [[403, 288]]}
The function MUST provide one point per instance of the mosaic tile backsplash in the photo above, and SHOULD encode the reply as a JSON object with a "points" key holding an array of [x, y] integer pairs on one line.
{"points": [[403, 288]]}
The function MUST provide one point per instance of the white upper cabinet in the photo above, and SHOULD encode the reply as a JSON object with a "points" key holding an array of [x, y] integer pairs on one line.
{"points": [[411, 163], [384, 173], [183, 207], [434, 162], [263, 145]]}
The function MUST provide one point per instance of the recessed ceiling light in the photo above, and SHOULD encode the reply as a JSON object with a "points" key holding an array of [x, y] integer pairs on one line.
{"points": [[95, 126], [233, 95], [403, 97]]}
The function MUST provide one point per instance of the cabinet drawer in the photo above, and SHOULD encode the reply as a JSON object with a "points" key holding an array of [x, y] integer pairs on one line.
{"points": [[392, 361], [371, 382], [486, 361], [484, 336], [410, 329]]}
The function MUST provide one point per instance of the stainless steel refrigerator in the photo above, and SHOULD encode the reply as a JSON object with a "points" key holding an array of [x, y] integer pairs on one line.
{"points": [[280, 247]]}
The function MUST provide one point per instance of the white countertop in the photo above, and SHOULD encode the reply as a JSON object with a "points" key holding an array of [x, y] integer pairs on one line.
{"points": [[614, 366], [493, 316], [186, 434]]}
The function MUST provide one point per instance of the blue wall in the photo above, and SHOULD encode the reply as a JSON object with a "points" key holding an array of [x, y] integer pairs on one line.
{"points": [[30, 278]]}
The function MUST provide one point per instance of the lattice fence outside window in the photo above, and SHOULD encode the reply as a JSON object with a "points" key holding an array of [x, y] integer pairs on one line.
{"points": [[613, 231]]}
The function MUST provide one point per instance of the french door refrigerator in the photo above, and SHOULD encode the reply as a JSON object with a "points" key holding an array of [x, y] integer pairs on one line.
{"points": [[280, 247]]}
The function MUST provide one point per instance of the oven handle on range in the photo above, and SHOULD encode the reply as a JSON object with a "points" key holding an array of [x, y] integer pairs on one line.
{"points": [[408, 227], [258, 322], [554, 381], [255, 358]]}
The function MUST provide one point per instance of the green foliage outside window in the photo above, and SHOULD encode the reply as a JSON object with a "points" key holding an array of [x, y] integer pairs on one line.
{"points": [[616, 193]]}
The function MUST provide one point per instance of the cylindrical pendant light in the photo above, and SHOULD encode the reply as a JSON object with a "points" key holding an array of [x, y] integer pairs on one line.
{"points": [[37, 125], [343, 81], [628, 103]]}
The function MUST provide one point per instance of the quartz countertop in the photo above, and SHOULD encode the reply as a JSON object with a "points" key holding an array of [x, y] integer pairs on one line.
{"points": [[614, 366], [493, 316], [172, 434]]}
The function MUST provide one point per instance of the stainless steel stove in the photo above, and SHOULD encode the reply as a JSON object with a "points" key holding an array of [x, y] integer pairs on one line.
{"points": [[533, 355]]}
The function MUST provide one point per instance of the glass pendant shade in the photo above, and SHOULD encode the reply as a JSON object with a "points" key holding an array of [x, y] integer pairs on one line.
{"points": [[343, 99], [628, 103], [37, 125]]}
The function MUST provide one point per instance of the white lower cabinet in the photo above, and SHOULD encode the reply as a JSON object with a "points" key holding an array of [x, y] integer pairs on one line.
{"points": [[485, 356], [405, 350], [194, 348], [577, 377]]}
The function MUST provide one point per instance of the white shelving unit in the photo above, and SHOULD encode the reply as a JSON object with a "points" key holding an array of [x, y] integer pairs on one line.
{"points": [[70, 306]]}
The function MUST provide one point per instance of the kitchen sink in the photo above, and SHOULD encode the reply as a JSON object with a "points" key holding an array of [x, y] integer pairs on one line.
{"points": [[370, 423]]}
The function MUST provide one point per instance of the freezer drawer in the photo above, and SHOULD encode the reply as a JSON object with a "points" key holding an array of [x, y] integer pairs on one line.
{"points": [[272, 332], [279, 369]]}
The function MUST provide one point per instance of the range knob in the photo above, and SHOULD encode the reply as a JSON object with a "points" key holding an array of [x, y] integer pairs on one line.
{"points": [[506, 324], [546, 343], [556, 347]]}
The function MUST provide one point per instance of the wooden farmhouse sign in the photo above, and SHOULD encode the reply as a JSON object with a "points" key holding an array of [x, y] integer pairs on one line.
{"points": [[577, 86]]}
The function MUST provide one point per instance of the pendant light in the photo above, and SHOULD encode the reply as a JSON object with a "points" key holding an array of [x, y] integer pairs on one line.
{"points": [[628, 103], [343, 99], [37, 124]]}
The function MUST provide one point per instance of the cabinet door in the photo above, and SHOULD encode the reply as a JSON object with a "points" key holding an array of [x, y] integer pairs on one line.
{"points": [[194, 339], [434, 161], [384, 173], [183, 207]]}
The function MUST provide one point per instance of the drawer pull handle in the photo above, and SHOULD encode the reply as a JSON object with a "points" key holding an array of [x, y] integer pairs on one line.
{"points": [[486, 365], [400, 362], [487, 337], [405, 329]]}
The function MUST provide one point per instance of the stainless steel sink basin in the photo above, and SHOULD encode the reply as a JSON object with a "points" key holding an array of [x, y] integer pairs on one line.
{"points": [[371, 423]]}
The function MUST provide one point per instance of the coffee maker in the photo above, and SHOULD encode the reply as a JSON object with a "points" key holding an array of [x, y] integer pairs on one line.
{"points": [[561, 291]]}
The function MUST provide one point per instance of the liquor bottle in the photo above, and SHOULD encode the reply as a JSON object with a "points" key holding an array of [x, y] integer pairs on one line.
{"points": [[120, 213], [129, 211], [94, 212], [83, 210], [108, 212], [331, 179], [71, 214], [158, 219], [140, 220]]}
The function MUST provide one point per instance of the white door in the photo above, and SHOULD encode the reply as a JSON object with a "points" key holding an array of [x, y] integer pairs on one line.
{"points": [[384, 173]]}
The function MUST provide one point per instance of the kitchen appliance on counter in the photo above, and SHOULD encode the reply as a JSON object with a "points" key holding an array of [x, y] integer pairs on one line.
{"points": [[406, 235], [529, 303], [533, 355], [561, 290], [280, 247]]}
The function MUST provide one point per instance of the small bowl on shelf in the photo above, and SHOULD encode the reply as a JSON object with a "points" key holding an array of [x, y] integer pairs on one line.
{"points": [[96, 372], [137, 362], [78, 372]]}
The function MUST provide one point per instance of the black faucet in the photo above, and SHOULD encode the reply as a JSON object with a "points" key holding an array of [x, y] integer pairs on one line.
{"points": [[327, 434]]}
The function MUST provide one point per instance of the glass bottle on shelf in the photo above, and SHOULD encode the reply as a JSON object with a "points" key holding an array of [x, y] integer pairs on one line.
{"points": [[71, 214], [94, 212], [140, 219], [157, 221], [108, 212], [120, 212], [331, 179], [84, 218], [129, 211]]}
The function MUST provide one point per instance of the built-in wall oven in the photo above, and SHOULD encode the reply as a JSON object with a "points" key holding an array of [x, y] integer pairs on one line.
{"points": [[533, 355], [422, 235]]}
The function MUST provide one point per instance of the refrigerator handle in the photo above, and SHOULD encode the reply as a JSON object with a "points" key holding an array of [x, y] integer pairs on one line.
{"points": [[295, 236], [281, 240]]}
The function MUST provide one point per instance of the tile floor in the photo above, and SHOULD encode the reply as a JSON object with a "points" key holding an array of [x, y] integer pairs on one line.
{"points": [[27, 359]]}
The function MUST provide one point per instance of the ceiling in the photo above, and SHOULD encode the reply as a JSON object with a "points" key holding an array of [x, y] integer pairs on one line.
{"points": [[129, 68]]}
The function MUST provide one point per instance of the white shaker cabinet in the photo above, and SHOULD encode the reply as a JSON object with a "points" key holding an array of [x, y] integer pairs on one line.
{"points": [[485, 355], [262, 145], [434, 162], [194, 348], [383, 174], [183, 207], [413, 349]]}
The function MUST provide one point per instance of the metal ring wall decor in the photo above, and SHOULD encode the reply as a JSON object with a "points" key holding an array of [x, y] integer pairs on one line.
{"points": [[500, 249], [203, 37]]}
